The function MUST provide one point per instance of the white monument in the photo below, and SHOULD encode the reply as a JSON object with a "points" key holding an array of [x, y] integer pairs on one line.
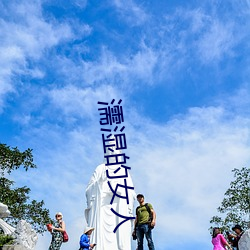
{"points": [[244, 242], [98, 213], [24, 236]]}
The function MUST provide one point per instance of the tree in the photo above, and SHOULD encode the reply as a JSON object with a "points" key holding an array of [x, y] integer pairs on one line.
{"points": [[236, 204], [17, 199]]}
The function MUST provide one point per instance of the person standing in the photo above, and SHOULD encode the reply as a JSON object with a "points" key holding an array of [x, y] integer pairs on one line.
{"points": [[56, 231], [218, 240], [85, 239], [143, 225], [239, 231]]}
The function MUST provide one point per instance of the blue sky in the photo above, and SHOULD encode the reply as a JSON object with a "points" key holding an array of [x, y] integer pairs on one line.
{"points": [[182, 71]]}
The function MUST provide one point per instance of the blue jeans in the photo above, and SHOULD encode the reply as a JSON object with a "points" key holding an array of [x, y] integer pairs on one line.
{"points": [[142, 230]]}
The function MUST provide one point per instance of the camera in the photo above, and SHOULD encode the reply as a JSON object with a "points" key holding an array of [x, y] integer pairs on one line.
{"points": [[134, 235]]}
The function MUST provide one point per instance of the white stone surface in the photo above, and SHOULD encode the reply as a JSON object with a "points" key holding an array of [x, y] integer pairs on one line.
{"points": [[4, 212], [7, 229], [99, 215], [244, 242], [14, 247], [25, 235]]}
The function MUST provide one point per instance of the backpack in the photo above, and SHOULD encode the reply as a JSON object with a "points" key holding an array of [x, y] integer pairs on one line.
{"points": [[150, 218]]}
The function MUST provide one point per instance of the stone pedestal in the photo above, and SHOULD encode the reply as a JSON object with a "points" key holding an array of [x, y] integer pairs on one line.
{"points": [[13, 247], [244, 242]]}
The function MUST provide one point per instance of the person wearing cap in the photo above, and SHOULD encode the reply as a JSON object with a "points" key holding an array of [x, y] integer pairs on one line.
{"points": [[142, 226], [239, 231], [56, 231], [85, 239]]}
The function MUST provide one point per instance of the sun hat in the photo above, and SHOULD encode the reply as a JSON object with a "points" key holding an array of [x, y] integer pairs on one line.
{"points": [[59, 213], [87, 229]]}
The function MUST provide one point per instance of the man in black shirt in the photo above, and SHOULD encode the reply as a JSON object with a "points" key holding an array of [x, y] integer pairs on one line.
{"points": [[239, 231]]}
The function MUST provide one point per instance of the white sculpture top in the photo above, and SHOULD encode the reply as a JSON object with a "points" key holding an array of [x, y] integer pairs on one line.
{"points": [[98, 213], [244, 242], [4, 212]]}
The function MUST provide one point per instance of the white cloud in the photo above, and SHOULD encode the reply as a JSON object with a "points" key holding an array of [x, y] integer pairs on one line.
{"points": [[25, 35], [123, 70], [143, 63], [198, 19], [240, 101], [131, 12], [105, 69], [32, 33], [80, 3], [191, 34], [81, 102], [217, 42]]}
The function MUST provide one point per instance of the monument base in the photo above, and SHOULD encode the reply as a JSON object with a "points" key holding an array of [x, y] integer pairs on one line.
{"points": [[12, 247]]}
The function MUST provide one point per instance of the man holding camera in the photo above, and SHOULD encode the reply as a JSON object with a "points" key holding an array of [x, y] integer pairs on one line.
{"points": [[234, 238], [144, 223]]}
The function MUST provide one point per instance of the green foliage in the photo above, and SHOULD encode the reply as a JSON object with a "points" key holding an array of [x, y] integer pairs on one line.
{"points": [[11, 159], [17, 199], [235, 206], [6, 240]]}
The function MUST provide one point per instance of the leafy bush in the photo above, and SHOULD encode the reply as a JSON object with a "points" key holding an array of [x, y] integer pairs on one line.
{"points": [[6, 240]]}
